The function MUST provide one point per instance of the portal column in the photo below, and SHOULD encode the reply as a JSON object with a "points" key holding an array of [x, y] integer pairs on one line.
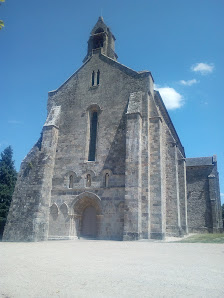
{"points": [[99, 219], [72, 229]]}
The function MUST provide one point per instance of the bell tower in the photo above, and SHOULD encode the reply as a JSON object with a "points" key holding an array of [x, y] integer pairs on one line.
{"points": [[101, 39]]}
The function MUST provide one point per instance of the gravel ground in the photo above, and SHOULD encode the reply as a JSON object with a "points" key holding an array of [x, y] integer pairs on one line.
{"points": [[85, 268]]}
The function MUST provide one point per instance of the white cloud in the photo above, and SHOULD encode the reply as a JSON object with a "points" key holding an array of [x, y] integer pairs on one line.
{"points": [[222, 194], [171, 98], [189, 82], [203, 68]]}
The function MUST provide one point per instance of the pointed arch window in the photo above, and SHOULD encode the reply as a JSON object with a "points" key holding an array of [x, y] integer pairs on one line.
{"points": [[93, 117], [93, 134], [64, 209], [54, 211]]}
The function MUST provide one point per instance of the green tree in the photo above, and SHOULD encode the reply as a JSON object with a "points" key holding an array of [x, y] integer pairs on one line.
{"points": [[8, 177], [1, 22]]}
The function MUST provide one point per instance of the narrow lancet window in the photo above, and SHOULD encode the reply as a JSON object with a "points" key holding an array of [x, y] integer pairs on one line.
{"points": [[71, 181], [93, 77], [106, 181], [93, 134], [88, 180], [98, 77]]}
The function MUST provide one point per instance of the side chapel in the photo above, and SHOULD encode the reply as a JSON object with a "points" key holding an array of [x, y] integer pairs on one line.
{"points": [[109, 163]]}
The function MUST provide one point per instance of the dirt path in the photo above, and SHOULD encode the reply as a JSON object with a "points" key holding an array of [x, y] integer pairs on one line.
{"points": [[87, 268]]}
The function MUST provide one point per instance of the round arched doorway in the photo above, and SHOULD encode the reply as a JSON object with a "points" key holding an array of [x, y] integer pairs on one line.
{"points": [[89, 222], [87, 215]]}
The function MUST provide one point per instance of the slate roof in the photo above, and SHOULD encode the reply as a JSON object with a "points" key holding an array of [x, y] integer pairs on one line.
{"points": [[199, 161]]}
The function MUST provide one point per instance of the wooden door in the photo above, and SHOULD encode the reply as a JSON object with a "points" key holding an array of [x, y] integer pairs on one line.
{"points": [[89, 227]]}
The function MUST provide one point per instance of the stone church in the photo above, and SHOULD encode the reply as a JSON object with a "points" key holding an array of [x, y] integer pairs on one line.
{"points": [[109, 163]]}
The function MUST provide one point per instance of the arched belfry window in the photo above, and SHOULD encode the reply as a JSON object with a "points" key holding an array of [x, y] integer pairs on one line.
{"points": [[98, 77], [99, 30], [71, 181], [88, 180], [93, 135], [98, 38]]}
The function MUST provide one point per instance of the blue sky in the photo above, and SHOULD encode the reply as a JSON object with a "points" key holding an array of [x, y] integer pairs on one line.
{"points": [[180, 42]]}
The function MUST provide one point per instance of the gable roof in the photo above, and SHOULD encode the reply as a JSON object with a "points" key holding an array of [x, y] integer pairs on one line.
{"points": [[168, 120], [200, 161], [110, 61]]}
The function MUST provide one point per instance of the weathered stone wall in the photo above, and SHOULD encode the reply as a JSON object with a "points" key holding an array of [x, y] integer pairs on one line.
{"points": [[182, 193], [76, 98], [156, 179], [145, 167], [28, 215], [132, 211], [204, 208], [172, 195], [173, 177], [199, 204]]}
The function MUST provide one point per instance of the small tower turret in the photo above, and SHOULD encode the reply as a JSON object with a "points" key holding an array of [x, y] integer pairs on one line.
{"points": [[101, 38]]}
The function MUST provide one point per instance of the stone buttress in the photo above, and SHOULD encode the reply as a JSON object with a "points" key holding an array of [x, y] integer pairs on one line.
{"points": [[28, 218]]}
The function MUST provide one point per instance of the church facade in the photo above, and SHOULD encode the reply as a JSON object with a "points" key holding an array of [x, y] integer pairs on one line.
{"points": [[109, 163]]}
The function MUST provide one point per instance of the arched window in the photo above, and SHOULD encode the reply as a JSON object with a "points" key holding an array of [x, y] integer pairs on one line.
{"points": [[54, 211], [98, 39], [98, 77], [93, 78], [88, 180], [106, 180], [93, 134], [71, 181], [64, 209], [99, 30]]}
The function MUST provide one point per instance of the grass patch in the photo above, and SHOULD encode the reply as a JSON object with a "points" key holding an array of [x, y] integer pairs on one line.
{"points": [[204, 238]]}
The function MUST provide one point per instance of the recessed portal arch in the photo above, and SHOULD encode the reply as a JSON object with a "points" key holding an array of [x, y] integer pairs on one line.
{"points": [[87, 213]]}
